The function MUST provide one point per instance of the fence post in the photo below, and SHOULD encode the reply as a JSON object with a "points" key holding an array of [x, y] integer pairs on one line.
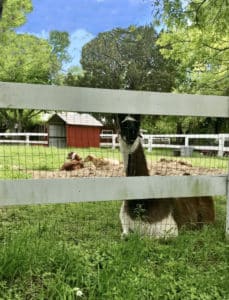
{"points": [[150, 143], [186, 141], [113, 141], [221, 145], [27, 139], [227, 207]]}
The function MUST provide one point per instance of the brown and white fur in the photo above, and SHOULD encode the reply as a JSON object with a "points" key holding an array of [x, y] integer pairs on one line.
{"points": [[74, 156], [75, 162], [100, 161], [72, 165], [155, 217]]}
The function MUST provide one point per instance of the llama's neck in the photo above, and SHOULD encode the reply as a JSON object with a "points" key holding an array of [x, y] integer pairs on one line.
{"points": [[134, 158]]}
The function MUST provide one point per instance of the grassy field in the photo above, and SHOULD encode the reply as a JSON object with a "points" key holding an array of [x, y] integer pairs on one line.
{"points": [[74, 251]]}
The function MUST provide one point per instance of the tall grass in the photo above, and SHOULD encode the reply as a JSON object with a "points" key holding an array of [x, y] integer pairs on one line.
{"points": [[51, 251]]}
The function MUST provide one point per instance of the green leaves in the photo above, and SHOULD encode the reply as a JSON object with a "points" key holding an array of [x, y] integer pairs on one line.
{"points": [[59, 42], [197, 37], [127, 58], [25, 58], [14, 13]]}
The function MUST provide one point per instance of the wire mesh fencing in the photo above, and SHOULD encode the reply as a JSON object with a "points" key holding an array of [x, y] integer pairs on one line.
{"points": [[74, 150]]}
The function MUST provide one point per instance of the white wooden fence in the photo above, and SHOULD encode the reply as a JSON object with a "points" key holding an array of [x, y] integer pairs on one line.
{"points": [[24, 138], [164, 141], [150, 141], [15, 192]]}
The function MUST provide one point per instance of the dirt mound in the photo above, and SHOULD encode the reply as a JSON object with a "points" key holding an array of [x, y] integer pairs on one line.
{"points": [[179, 167], [161, 167]]}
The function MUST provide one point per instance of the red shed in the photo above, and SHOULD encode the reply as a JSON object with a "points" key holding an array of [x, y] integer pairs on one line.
{"points": [[71, 129]]}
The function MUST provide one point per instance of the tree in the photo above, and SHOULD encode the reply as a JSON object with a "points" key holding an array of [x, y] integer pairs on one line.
{"points": [[14, 14], [127, 58], [29, 59], [26, 58], [196, 35], [59, 42], [124, 59]]}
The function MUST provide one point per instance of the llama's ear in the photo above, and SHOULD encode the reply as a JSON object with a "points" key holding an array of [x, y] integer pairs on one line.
{"points": [[119, 118]]}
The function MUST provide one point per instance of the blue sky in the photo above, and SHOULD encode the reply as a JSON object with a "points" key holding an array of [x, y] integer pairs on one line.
{"points": [[84, 19]]}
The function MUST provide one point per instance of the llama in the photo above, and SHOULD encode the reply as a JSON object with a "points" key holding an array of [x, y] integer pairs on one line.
{"points": [[74, 156], [72, 165], [75, 163], [100, 162], [155, 217]]}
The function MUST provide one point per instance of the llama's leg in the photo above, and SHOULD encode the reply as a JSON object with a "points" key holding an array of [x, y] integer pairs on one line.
{"points": [[166, 228], [206, 210], [125, 221]]}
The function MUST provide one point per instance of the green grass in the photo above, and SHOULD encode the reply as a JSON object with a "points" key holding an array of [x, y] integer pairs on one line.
{"points": [[197, 160], [15, 161], [49, 251]]}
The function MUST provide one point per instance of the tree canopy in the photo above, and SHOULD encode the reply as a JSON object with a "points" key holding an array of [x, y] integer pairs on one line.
{"points": [[196, 35], [127, 59], [59, 42], [14, 13], [124, 58]]}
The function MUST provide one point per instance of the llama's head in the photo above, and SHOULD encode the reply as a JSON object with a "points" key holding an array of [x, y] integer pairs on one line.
{"points": [[129, 127], [73, 156]]}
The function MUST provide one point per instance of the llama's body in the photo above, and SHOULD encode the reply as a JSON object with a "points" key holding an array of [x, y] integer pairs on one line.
{"points": [[138, 222], [74, 156], [75, 162], [72, 165], [155, 217], [100, 162]]}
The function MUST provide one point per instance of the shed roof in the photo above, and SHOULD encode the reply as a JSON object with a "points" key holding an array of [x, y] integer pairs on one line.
{"points": [[74, 118]]}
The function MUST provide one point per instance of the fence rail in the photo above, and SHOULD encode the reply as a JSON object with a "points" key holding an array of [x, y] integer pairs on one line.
{"points": [[164, 141], [150, 141], [42, 191], [62, 98], [7, 138]]}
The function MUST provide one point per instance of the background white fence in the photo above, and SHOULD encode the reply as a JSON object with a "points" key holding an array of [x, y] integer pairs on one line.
{"points": [[24, 138], [165, 141], [150, 141], [31, 191]]}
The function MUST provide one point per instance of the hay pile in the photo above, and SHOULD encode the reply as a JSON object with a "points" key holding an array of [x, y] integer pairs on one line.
{"points": [[161, 167]]}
